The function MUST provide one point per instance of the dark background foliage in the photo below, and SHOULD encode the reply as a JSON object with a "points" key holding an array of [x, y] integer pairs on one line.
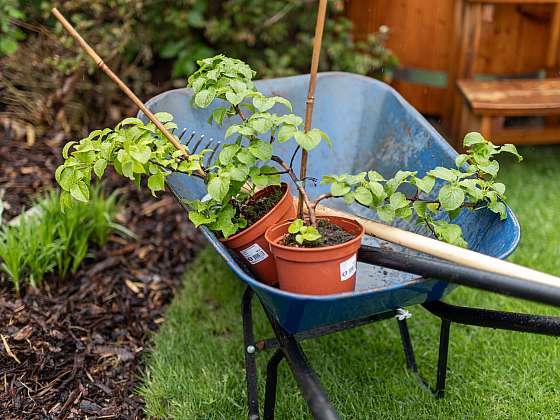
{"points": [[47, 82]]}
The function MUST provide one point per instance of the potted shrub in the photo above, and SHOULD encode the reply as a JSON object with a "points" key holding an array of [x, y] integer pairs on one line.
{"points": [[246, 197], [318, 255]]}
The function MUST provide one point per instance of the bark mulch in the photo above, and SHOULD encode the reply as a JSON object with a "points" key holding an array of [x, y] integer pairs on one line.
{"points": [[74, 348]]}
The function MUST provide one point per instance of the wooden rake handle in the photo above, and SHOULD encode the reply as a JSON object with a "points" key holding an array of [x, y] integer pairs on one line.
{"points": [[101, 64], [444, 250]]}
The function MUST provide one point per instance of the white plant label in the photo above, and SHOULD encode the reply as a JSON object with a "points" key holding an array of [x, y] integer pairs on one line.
{"points": [[254, 254], [348, 268]]}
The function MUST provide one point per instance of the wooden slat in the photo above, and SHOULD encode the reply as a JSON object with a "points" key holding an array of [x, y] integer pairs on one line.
{"points": [[512, 97], [544, 135]]}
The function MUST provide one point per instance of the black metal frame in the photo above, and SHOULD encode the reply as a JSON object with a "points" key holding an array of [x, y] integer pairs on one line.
{"points": [[287, 345]]}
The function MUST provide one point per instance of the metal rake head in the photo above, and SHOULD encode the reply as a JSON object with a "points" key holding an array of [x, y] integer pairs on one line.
{"points": [[193, 143]]}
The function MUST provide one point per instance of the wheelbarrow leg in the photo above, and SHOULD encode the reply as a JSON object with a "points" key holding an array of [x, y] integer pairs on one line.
{"points": [[442, 358], [271, 381], [250, 361], [306, 378], [407, 346], [486, 318]]}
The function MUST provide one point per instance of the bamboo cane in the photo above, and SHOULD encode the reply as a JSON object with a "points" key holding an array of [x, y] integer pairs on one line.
{"points": [[97, 59], [320, 24], [444, 250]]}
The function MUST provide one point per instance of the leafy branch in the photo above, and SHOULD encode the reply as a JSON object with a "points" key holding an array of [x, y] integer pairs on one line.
{"points": [[137, 150]]}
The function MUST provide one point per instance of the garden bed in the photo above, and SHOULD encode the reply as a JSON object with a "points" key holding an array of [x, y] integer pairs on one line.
{"points": [[78, 342]]}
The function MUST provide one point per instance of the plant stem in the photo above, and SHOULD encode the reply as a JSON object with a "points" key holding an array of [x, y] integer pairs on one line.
{"points": [[301, 190], [320, 198]]}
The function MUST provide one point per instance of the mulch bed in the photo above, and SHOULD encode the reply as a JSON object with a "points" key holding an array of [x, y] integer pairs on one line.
{"points": [[74, 348]]}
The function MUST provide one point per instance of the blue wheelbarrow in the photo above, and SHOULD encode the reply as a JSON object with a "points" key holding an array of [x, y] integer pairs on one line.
{"points": [[372, 127]]}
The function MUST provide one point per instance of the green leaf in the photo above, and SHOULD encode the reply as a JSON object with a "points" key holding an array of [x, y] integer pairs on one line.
{"points": [[404, 213], [499, 208], [510, 148], [232, 129], [239, 173], [449, 233], [66, 148], [425, 184], [235, 98], [200, 219], [162, 117], [451, 197], [375, 176], [420, 207], [261, 124], [311, 234], [307, 141], [140, 153], [349, 198], [443, 173], [156, 182], [460, 160], [80, 191], [218, 187], [245, 157], [286, 132], [363, 196], [218, 114], [317, 135], [398, 200], [284, 102], [205, 97], [377, 190], [228, 153], [491, 167], [339, 189], [261, 149], [386, 213], [299, 239], [454, 213], [471, 188], [499, 188], [99, 167], [295, 226], [473, 138], [262, 103]]}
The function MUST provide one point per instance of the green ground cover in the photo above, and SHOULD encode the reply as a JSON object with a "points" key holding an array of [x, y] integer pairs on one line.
{"points": [[195, 369]]}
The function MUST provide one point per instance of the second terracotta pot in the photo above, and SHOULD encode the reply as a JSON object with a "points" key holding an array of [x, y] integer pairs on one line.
{"points": [[316, 271], [250, 243]]}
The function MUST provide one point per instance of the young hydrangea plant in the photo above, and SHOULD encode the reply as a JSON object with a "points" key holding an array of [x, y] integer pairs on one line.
{"points": [[471, 185], [138, 150]]}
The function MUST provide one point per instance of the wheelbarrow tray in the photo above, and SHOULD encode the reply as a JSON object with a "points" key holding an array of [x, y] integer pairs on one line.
{"points": [[372, 128]]}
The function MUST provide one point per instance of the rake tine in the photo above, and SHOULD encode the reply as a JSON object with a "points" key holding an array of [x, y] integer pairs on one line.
{"points": [[182, 133], [190, 138], [211, 156], [197, 143]]}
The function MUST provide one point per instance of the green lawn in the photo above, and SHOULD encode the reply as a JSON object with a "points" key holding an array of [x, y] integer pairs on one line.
{"points": [[195, 369]]}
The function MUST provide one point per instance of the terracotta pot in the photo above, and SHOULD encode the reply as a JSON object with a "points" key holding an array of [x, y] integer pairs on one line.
{"points": [[250, 243], [316, 271]]}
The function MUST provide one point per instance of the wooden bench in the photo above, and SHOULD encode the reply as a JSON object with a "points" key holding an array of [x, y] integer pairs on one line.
{"points": [[484, 105], [487, 103]]}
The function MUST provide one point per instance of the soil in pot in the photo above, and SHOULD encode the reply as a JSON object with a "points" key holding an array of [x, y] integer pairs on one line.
{"points": [[263, 210], [331, 234], [319, 270]]}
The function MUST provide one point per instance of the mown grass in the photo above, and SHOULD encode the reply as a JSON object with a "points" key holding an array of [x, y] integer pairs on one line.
{"points": [[195, 369]]}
